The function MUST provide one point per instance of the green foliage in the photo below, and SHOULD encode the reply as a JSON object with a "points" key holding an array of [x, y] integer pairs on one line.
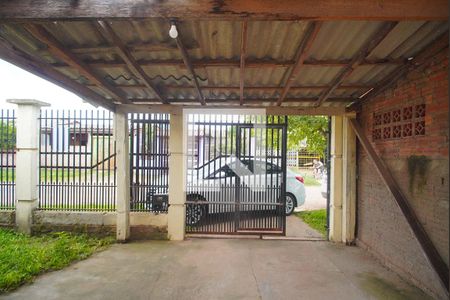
{"points": [[312, 128], [23, 257], [7, 136], [316, 219]]}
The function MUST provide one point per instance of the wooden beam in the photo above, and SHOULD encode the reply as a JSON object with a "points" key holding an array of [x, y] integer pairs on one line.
{"points": [[439, 44], [230, 63], [366, 49], [242, 62], [421, 235], [188, 64], [249, 88], [235, 109], [227, 9], [131, 63], [22, 60], [246, 100], [302, 53], [64, 54]]}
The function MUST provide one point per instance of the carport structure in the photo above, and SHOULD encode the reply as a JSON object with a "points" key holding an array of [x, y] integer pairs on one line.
{"points": [[381, 63]]}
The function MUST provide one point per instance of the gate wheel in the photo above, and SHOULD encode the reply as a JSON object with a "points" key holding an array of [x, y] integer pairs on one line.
{"points": [[195, 212]]}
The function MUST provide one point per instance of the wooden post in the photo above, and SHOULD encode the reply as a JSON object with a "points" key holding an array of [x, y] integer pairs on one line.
{"points": [[348, 182]]}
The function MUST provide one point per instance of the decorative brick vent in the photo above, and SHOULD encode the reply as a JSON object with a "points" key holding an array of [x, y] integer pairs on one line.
{"points": [[404, 122]]}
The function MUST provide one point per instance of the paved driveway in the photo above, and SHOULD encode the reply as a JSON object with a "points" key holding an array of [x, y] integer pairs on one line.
{"points": [[222, 269]]}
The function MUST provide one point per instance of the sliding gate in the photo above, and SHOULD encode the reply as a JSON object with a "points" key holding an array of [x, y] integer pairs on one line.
{"points": [[236, 178]]}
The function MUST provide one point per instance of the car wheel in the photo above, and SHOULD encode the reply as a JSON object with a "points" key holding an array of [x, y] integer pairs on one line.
{"points": [[291, 203], [194, 212]]}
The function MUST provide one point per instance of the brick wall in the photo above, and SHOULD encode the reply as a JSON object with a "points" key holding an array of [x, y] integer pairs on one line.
{"points": [[396, 136]]}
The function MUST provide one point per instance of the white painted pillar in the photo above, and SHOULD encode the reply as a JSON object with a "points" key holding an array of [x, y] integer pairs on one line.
{"points": [[177, 178], [349, 182], [121, 136], [336, 179], [27, 161]]}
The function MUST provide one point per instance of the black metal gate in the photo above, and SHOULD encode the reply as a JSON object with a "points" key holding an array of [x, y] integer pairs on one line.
{"points": [[149, 165], [236, 177]]}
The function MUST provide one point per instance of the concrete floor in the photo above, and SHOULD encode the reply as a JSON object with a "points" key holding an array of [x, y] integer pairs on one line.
{"points": [[296, 228], [222, 269]]}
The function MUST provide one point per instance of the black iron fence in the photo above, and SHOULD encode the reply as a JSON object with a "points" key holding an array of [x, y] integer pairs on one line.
{"points": [[77, 161], [7, 158], [149, 162]]}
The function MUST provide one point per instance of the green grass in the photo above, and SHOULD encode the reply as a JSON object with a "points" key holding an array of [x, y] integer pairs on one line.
{"points": [[60, 175], [23, 257], [310, 181], [316, 219]]}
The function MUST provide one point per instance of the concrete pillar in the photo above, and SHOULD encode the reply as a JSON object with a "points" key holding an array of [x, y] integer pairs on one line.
{"points": [[336, 179], [121, 136], [177, 178], [349, 182], [27, 161]]}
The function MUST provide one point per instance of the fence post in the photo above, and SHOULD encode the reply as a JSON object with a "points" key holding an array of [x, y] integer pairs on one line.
{"points": [[27, 161], [177, 174], [121, 136]]}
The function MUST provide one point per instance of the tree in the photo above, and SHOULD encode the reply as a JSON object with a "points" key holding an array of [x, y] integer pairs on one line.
{"points": [[312, 128], [7, 136]]}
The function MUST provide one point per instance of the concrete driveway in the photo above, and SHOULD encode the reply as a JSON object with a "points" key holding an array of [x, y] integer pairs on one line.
{"points": [[222, 269]]}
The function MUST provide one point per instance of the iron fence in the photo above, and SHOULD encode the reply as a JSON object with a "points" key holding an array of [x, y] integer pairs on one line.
{"points": [[77, 161], [7, 158], [149, 162]]}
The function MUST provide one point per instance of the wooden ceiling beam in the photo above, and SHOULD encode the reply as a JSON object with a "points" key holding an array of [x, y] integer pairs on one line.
{"points": [[64, 54], [133, 66], [246, 100], [439, 44], [188, 64], [249, 63], [227, 9], [302, 53], [365, 50], [16, 57], [242, 62]]}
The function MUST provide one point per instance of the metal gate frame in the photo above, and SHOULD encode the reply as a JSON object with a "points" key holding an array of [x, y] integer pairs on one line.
{"points": [[218, 222]]}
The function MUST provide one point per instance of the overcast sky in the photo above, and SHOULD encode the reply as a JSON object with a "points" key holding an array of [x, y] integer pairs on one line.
{"points": [[20, 84]]}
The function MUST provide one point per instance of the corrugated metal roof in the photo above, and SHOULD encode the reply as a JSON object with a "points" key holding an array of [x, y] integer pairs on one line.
{"points": [[269, 41]]}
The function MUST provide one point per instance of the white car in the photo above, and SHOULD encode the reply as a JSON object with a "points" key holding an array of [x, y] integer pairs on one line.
{"points": [[215, 182]]}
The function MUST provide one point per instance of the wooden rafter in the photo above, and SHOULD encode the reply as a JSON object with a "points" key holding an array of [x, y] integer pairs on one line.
{"points": [[242, 61], [15, 56], [365, 50], [425, 242], [249, 88], [188, 64], [64, 54], [439, 44], [246, 100], [131, 63], [229, 63], [227, 9], [301, 55]]}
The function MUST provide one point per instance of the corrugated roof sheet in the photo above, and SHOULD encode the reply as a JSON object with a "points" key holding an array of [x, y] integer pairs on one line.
{"points": [[270, 41]]}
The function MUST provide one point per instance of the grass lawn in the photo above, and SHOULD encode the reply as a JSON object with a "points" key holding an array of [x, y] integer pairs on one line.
{"points": [[316, 219], [23, 257]]}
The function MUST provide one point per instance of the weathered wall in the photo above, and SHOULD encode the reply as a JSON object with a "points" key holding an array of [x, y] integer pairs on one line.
{"points": [[381, 227], [143, 225]]}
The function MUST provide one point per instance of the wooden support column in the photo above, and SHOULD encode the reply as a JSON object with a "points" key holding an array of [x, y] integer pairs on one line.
{"points": [[177, 178], [348, 182], [336, 180], [121, 136]]}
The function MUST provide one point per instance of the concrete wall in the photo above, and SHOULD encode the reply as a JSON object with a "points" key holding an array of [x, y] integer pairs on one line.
{"points": [[143, 225], [381, 227]]}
